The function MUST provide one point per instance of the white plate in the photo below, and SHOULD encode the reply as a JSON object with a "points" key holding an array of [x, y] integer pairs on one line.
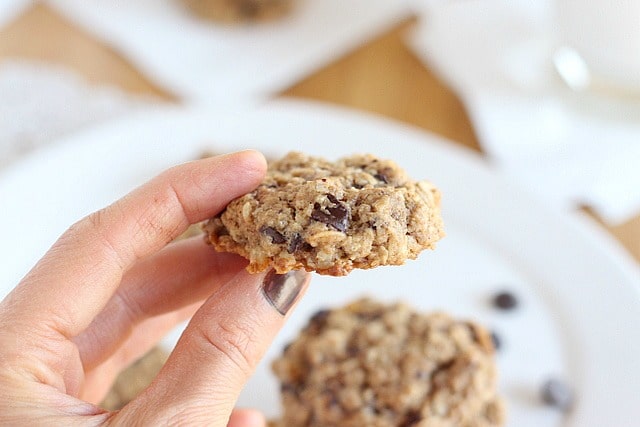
{"points": [[580, 308]]}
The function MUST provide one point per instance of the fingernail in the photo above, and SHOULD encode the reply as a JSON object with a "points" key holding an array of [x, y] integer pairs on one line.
{"points": [[282, 290]]}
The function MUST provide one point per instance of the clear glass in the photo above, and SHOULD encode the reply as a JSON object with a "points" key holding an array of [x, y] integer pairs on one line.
{"points": [[599, 45]]}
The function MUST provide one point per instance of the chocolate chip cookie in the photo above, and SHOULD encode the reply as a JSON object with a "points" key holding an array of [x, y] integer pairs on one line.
{"points": [[134, 379], [376, 365], [330, 217], [235, 11]]}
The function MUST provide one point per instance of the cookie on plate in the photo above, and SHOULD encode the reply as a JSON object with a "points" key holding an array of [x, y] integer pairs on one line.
{"points": [[134, 379], [330, 217], [236, 11], [370, 364]]}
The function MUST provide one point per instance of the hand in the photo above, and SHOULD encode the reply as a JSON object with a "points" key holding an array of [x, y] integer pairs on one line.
{"points": [[110, 288]]}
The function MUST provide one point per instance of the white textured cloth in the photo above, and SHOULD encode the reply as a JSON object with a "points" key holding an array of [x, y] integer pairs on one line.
{"points": [[572, 149], [40, 103], [204, 62]]}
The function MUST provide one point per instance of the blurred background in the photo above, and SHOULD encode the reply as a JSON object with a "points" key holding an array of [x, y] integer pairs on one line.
{"points": [[508, 79], [547, 93]]}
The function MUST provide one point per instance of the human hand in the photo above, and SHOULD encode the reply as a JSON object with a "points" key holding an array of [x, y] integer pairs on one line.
{"points": [[110, 288]]}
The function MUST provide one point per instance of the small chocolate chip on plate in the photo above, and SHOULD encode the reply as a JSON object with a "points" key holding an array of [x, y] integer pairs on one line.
{"points": [[505, 301], [556, 393]]}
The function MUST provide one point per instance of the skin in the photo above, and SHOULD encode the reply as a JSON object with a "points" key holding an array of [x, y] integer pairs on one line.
{"points": [[111, 287]]}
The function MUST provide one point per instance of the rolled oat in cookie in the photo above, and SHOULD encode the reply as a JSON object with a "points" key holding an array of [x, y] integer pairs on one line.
{"points": [[330, 217], [375, 365]]}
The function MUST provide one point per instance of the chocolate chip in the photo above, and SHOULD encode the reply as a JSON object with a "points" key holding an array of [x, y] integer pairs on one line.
{"points": [[276, 236], [288, 388], [332, 400], [317, 321], [297, 243], [336, 217], [319, 316], [333, 199], [410, 419], [558, 394], [381, 177], [495, 340], [353, 350], [505, 301]]}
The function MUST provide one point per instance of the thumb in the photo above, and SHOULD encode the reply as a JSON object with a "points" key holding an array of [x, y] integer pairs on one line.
{"points": [[218, 352]]}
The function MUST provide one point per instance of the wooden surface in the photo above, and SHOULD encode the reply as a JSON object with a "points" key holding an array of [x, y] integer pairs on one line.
{"points": [[381, 77]]}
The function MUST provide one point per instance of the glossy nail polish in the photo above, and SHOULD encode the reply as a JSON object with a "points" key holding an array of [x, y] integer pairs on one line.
{"points": [[282, 290]]}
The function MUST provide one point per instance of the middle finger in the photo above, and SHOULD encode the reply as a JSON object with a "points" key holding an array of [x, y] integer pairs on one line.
{"points": [[181, 274]]}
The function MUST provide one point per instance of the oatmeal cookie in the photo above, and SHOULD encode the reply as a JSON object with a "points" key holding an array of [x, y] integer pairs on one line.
{"points": [[235, 11], [376, 365], [359, 212], [134, 379]]}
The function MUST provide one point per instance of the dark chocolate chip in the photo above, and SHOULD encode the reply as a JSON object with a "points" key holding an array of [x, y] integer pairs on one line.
{"points": [[333, 199], [410, 419], [336, 217], [319, 316], [505, 301], [353, 350], [381, 177], [332, 400], [296, 243], [558, 394], [288, 388], [495, 339], [276, 236], [317, 321]]}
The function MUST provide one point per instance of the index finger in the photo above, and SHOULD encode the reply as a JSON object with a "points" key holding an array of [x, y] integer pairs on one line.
{"points": [[72, 283]]}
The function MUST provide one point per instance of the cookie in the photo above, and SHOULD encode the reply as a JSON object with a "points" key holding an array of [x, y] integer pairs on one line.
{"points": [[330, 217], [236, 11], [134, 379], [376, 365]]}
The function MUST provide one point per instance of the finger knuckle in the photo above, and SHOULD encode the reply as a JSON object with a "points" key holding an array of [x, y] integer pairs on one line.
{"points": [[151, 225], [236, 342]]}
